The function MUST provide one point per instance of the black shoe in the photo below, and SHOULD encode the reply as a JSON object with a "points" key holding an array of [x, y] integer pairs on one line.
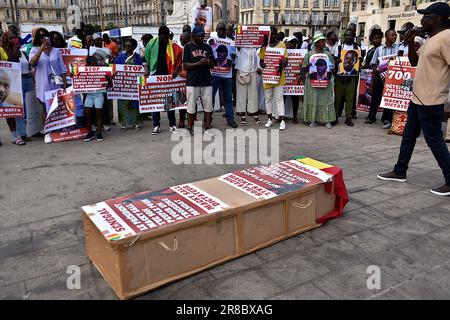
{"points": [[99, 137], [349, 122], [232, 124], [354, 117], [89, 137], [191, 131], [243, 121], [368, 121], [391, 176], [335, 122], [443, 191]]}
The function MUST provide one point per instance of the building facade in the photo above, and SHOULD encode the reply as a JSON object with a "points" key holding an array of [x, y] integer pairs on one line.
{"points": [[384, 14], [35, 11], [288, 15]]}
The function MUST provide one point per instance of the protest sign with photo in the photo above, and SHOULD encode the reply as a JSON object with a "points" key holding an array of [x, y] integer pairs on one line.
{"points": [[365, 90], [349, 65], [91, 79], [223, 49], [383, 63], [399, 85], [251, 36], [125, 81], [274, 59], [203, 16], [162, 93], [294, 85], [61, 109], [73, 58], [320, 70], [11, 100]]}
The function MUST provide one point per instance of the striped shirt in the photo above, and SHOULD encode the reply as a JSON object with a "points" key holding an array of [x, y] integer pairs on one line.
{"points": [[382, 51]]}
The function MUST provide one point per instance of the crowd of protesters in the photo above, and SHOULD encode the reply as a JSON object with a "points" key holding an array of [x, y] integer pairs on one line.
{"points": [[241, 91]]}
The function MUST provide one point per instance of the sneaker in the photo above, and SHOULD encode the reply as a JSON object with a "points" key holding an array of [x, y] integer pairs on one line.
{"points": [[89, 137], [441, 191], [294, 120], [106, 128], [123, 128], [173, 129], [99, 137], [391, 176], [243, 121], [209, 132], [258, 121], [138, 127], [312, 125], [232, 124], [354, 117], [328, 125], [386, 125], [349, 122], [156, 131], [191, 131], [368, 121], [282, 125], [47, 138]]}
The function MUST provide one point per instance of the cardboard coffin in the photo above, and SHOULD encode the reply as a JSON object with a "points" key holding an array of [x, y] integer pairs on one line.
{"points": [[143, 241]]}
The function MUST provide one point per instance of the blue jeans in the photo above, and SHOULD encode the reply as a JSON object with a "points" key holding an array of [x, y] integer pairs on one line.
{"points": [[21, 126], [429, 120], [226, 85]]}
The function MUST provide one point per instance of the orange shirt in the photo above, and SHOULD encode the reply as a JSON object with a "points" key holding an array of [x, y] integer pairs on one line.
{"points": [[112, 46]]}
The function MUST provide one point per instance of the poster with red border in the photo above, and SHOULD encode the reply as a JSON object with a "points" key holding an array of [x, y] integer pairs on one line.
{"points": [[61, 109], [147, 211], [320, 70], [398, 86], [11, 98], [273, 58], [91, 79], [162, 93], [73, 58], [125, 81], [251, 36], [294, 86]]}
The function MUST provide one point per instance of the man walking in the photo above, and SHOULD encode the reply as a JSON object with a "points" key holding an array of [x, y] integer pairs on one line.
{"points": [[431, 88]]}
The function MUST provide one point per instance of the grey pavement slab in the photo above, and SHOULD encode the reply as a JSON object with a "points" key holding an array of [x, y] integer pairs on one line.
{"points": [[402, 228]]}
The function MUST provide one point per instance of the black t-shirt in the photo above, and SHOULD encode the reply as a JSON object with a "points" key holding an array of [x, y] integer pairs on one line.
{"points": [[161, 65], [199, 77]]}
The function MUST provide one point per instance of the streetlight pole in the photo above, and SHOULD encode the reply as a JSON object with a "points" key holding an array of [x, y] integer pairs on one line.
{"points": [[225, 11]]}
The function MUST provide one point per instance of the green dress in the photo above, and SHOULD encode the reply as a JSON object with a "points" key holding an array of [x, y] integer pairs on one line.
{"points": [[129, 110], [319, 102]]}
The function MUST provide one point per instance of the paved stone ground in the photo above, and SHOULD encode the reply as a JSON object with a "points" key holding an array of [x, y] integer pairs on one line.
{"points": [[400, 227]]}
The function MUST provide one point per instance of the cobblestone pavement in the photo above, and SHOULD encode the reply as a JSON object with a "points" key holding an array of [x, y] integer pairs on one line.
{"points": [[402, 228]]}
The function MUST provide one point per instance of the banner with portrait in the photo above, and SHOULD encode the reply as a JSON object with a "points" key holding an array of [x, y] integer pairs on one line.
{"points": [[72, 59], [11, 99], [350, 62], [294, 85], [320, 70], [61, 108], [203, 16], [223, 50]]}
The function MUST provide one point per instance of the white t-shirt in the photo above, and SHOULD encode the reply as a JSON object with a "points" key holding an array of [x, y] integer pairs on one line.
{"points": [[333, 49], [247, 60], [24, 64]]}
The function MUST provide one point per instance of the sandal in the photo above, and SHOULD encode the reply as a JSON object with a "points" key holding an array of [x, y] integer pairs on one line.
{"points": [[19, 142], [25, 138]]}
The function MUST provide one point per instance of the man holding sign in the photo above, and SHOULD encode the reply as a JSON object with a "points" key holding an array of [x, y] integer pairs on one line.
{"points": [[274, 57]]}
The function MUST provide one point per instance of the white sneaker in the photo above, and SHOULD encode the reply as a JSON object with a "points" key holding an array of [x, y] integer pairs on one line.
{"points": [[138, 126], [313, 124], [269, 123], [173, 129], [328, 125], [208, 131], [48, 138], [282, 125], [156, 131], [106, 128], [387, 125]]}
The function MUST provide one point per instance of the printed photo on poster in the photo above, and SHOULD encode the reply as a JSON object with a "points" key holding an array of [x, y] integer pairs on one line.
{"points": [[73, 58], [320, 70], [61, 109], [223, 50], [251, 36], [274, 60], [11, 100], [203, 17], [162, 93], [398, 85], [365, 90], [350, 62], [383, 64], [294, 84]]}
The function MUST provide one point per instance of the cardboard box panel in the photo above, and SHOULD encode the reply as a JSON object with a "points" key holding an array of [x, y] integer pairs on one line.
{"points": [[301, 211], [148, 262], [325, 201], [263, 224]]}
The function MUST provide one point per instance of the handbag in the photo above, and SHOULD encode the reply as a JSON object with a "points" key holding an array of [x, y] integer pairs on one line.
{"points": [[244, 77]]}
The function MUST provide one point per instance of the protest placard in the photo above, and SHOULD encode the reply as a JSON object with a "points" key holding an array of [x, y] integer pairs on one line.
{"points": [[350, 62], [274, 59], [365, 90], [223, 49], [383, 63], [294, 85], [91, 79], [399, 85], [320, 70], [162, 93], [251, 36], [11, 100], [203, 16], [73, 58], [61, 109], [125, 81]]}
